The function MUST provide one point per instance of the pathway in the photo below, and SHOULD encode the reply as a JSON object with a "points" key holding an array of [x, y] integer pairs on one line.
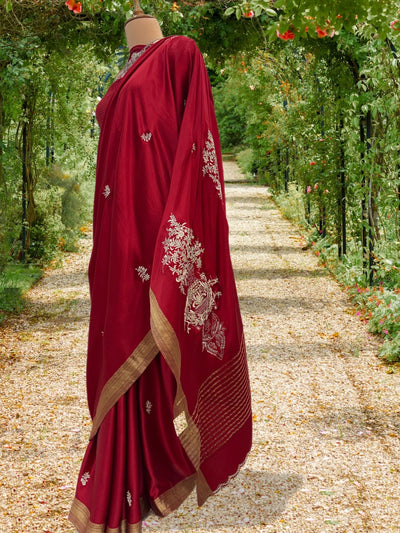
{"points": [[326, 454]]}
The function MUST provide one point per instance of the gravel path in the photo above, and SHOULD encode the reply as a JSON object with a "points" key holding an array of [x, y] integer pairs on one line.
{"points": [[326, 454]]}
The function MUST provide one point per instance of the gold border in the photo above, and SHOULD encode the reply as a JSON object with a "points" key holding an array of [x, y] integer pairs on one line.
{"points": [[173, 497], [123, 378], [79, 516], [168, 344]]}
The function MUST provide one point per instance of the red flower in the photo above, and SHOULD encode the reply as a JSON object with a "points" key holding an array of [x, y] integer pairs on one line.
{"points": [[312, 163], [321, 33], [74, 6], [287, 36], [395, 25], [249, 15]]}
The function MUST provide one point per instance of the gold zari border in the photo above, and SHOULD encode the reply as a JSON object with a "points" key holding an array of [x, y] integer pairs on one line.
{"points": [[80, 517], [172, 498], [123, 378]]}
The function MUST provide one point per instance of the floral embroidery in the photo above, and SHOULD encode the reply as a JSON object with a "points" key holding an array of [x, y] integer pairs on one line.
{"points": [[129, 498], [107, 191], [210, 167], [214, 336], [143, 273], [182, 253], [85, 478], [194, 147], [149, 407], [200, 301], [183, 257], [146, 137]]}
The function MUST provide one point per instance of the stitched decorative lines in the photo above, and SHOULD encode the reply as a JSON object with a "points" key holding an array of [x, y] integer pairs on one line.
{"points": [[210, 163]]}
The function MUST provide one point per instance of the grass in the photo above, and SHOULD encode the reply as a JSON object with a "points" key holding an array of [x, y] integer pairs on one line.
{"points": [[14, 281]]}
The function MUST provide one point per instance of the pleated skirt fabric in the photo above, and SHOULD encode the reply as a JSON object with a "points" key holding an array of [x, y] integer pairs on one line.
{"points": [[135, 458]]}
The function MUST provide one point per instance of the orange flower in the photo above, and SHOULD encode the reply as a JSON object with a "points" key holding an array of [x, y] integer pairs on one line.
{"points": [[321, 33], [175, 7], [74, 6], [287, 36]]}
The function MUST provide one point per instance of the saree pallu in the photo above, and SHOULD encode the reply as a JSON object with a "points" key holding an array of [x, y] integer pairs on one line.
{"points": [[167, 378]]}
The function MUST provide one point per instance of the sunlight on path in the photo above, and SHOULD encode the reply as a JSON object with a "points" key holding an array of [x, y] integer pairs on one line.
{"points": [[326, 454]]}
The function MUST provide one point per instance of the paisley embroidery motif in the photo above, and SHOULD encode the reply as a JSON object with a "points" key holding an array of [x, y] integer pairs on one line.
{"points": [[183, 257], [107, 191], [129, 498], [214, 336], [210, 167], [200, 301]]}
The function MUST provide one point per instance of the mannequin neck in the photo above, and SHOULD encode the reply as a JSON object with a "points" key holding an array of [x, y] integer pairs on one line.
{"points": [[142, 30]]}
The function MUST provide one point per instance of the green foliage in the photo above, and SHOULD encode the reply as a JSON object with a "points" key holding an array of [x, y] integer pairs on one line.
{"points": [[14, 281], [231, 118]]}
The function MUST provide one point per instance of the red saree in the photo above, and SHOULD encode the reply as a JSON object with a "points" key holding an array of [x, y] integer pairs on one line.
{"points": [[167, 377]]}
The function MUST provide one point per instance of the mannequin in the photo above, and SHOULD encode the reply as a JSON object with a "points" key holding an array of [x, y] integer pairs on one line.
{"points": [[141, 29]]}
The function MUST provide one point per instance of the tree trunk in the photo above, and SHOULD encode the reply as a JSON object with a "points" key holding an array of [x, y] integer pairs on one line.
{"points": [[28, 181], [366, 202]]}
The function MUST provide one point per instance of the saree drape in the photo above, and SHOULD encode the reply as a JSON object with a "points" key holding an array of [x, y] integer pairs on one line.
{"points": [[167, 378]]}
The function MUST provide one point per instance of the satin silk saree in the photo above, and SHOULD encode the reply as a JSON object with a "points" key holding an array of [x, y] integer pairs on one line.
{"points": [[167, 379]]}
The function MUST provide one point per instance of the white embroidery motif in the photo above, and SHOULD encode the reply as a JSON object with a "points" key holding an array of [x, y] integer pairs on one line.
{"points": [[85, 478], [182, 253], [210, 167], [149, 407], [183, 257], [146, 137], [143, 273], [214, 336], [107, 191], [200, 301], [194, 147], [129, 498]]}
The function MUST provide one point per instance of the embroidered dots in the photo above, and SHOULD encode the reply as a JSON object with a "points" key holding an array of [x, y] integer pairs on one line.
{"points": [[149, 407], [146, 137], [129, 498], [107, 191], [143, 273], [85, 478]]}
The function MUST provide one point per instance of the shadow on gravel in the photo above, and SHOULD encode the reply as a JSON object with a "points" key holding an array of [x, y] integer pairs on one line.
{"points": [[61, 280], [263, 305], [276, 273], [265, 248], [251, 500], [355, 424]]}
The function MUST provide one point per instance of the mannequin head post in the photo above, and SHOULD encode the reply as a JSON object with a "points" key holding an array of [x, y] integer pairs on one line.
{"points": [[141, 29]]}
